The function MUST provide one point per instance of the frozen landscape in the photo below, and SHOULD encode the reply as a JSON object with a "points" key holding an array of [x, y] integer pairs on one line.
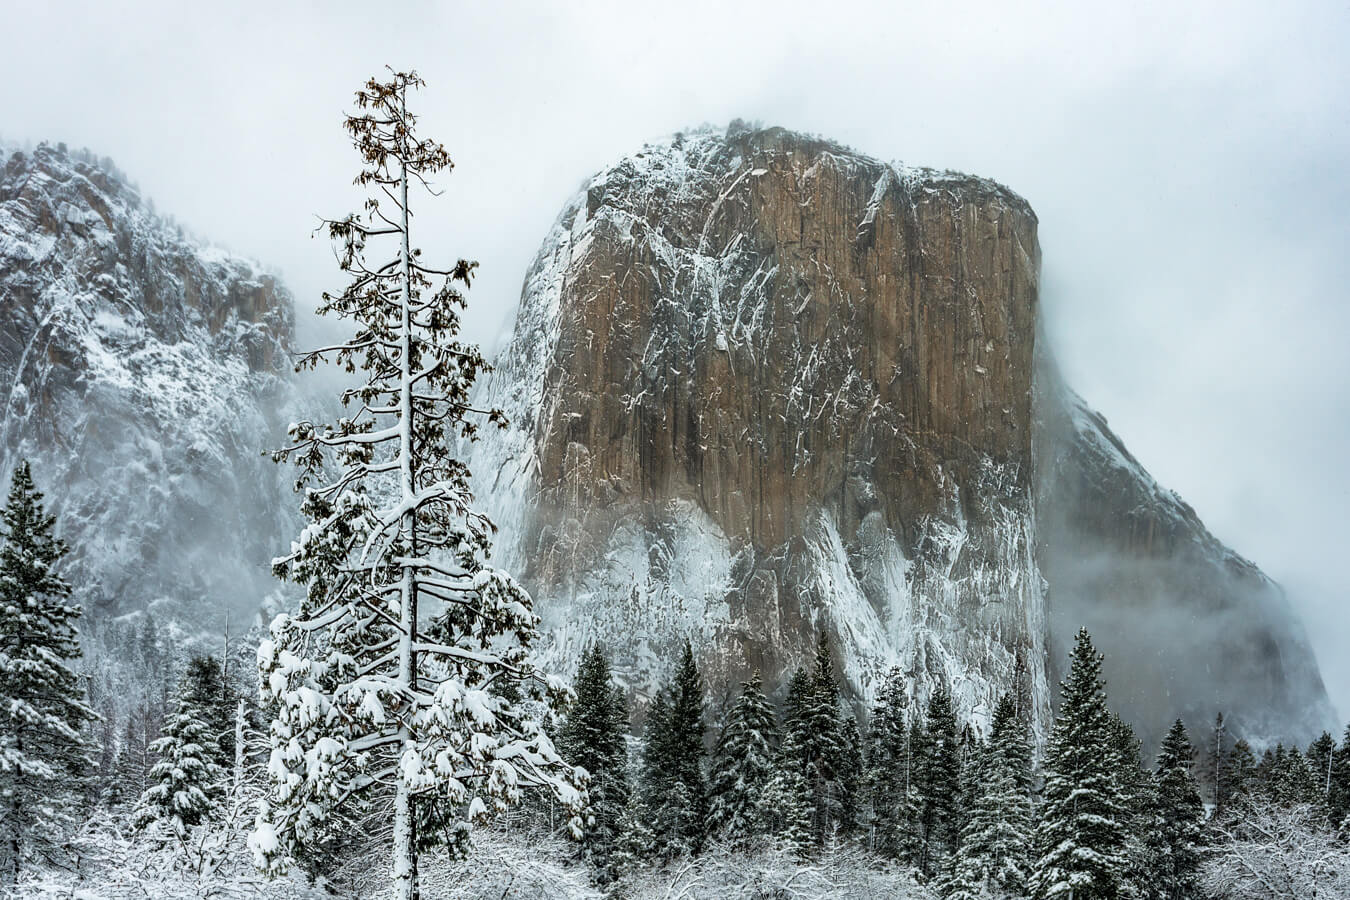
{"points": [[768, 551]]}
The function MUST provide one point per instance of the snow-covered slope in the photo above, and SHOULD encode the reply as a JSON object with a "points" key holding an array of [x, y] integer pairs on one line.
{"points": [[138, 371], [762, 387]]}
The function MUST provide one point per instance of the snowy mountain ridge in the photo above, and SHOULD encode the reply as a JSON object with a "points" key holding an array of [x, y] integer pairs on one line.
{"points": [[139, 372]]}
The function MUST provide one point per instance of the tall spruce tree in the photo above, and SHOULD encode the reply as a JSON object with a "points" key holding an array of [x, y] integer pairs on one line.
{"points": [[849, 773], [938, 785], [187, 779], [1010, 735], [1321, 758], [1136, 786], [1338, 800], [889, 771], [1215, 771], [818, 744], [594, 736], [43, 713], [1081, 841], [673, 785], [391, 683], [206, 690], [1291, 781], [1178, 814], [993, 856], [1239, 776], [743, 766]]}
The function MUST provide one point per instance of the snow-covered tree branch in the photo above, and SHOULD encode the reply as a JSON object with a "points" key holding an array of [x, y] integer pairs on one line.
{"points": [[405, 678]]}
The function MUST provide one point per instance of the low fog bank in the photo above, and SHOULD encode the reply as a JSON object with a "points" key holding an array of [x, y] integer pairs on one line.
{"points": [[1189, 627]]}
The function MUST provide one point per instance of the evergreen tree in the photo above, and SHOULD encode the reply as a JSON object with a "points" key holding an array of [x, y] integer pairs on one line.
{"points": [[593, 736], [994, 855], [938, 785], [206, 690], [743, 766], [43, 752], [1338, 799], [1135, 785], [673, 786], [1321, 760], [1239, 777], [1010, 736], [1178, 814], [1081, 842], [388, 683], [634, 840], [1215, 770], [1291, 780], [888, 779], [849, 771], [823, 747], [187, 780], [787, 810]]}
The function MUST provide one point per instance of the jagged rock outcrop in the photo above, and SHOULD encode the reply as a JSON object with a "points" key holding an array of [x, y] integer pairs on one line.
{"points": [[762, 386], [139, 371]]}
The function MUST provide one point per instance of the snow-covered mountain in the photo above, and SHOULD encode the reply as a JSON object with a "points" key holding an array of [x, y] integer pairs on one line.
{"points": [[138, 371], [759, 385], [762, 385]]}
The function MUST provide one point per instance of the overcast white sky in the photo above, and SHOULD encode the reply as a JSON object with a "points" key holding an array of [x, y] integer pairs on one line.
{"points": [[1188, 162]]}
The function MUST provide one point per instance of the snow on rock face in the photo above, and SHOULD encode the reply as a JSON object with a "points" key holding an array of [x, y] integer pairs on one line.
{"points": [[137, 371], [762, 386]]}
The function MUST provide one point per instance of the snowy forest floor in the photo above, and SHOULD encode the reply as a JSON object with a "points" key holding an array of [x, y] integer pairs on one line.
{"points": [[108, 864]]}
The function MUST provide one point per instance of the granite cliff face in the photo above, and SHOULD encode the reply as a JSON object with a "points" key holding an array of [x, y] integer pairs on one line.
{"points": [[762, 386], [138, 370]]}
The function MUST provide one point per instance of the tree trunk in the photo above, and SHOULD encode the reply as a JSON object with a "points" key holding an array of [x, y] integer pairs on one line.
{"points": [[405, 819]]}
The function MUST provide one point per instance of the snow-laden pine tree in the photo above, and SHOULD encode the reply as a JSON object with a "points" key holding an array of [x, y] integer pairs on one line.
{"points": [[1338, 799], [1081, 841], [43, 752], [1136, 787], [1321, 758], [594, 737], [743, 765], [206, 689], [938, 785], [1010, 735], [186, 780], [397, 680], [673, 786], [816, 743], [993, 858], [1239, 776], [1174, 833], [1289, 780], [787, 810], [891, 810]]}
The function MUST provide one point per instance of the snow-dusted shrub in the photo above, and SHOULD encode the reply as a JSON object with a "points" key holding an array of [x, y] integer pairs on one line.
{"points": [[776, 873], [1273, 853]]}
